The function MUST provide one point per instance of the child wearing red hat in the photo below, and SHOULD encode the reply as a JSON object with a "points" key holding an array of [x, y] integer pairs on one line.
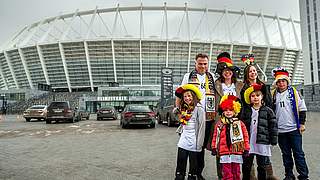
{"points": [[230, 138]]}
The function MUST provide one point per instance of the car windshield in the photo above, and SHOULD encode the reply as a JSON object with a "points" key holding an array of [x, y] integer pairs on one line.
{"points": [[59, 105], [37, 107], [138, 108], [106, 108]]}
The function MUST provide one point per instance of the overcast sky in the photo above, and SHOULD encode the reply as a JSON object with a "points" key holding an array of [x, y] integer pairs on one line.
{"points": [[15, 14]]}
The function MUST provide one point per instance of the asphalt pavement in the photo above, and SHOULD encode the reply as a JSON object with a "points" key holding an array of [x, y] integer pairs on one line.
{"points": [[102, 150]]}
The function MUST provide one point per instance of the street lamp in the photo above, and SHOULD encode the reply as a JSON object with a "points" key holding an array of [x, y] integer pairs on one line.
{"points": [[54, 95]]}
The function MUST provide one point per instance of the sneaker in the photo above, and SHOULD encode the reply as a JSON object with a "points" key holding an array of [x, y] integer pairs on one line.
{"points": [[289, 178]]}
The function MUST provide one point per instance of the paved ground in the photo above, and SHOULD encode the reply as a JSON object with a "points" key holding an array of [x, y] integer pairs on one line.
{"points": [[102, 150]]}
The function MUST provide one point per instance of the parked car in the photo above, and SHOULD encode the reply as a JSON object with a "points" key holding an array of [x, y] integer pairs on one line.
{"points": [[35, 112], [106, 113], [137, 114], [165, 112], [60, 111], [82, 114]]}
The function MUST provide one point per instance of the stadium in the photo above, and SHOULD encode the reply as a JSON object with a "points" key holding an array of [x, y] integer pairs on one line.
{"points": [[128, 46]]}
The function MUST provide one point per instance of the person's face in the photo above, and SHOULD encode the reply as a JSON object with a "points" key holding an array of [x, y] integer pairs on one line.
{"points": [[227, 73], [202, 65], [252, 73], [282, 85], [228, 113], [187, 97], [256, 97]]}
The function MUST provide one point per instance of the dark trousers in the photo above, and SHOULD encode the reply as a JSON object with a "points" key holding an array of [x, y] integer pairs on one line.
{"points": [[182, 159], [207, 135], [262, 162], [291, 143]]}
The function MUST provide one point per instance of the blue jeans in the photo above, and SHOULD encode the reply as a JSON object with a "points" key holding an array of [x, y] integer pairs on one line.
{"points": [[291, 143]]}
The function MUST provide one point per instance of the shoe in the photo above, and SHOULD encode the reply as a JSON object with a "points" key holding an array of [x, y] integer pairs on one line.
{"points": [[289, 178], [192, 177], [269, 172], [179, 176]]}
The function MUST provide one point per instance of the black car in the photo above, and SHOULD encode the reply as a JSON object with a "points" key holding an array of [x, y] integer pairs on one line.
{"points": [[60, 111], [137, 114], [106, 113]]}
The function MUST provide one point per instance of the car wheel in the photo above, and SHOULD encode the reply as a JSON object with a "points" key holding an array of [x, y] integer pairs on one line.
{"points": [[169, 121], [98, 119], [28, 119], [48, 121], [87, 118]]}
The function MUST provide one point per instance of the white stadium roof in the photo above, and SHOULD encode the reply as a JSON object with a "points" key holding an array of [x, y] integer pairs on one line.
{"points": [[129, 45], [162, 23]]}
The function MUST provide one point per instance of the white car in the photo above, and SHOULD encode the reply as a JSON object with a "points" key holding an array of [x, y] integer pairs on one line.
{"points": [[35, 112]]}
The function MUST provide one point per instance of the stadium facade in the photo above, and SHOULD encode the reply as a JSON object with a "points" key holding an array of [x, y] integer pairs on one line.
{"points": [[129, 46]]}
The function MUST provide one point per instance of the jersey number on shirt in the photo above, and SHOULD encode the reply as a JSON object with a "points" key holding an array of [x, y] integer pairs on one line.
{"points": [[203, 85], [281, 104]]}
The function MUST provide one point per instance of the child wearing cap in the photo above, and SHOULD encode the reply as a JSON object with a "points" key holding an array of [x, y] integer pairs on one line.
{"points": [[262, 126], [192, 117], [230, 139], [290, 112], [226, 84]]}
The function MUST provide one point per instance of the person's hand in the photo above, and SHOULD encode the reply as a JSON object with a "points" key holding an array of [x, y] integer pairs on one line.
{"points": [[214, 152], [176, 110], [245, 153], [302, 128]]}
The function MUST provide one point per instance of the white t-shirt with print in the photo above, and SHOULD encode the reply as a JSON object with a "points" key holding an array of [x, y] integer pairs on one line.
{"points": [[229, 90], [284, 113], [261, 149]]}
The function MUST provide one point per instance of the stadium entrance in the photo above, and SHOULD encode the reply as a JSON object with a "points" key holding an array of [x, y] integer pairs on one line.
{"points": [[119, 97]]}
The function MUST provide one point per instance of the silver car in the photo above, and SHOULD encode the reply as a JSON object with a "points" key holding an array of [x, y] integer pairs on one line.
{"points": [[35, 112]]}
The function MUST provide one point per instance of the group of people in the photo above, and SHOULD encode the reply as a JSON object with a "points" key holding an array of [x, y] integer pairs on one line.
{"points": [[238, 120]]}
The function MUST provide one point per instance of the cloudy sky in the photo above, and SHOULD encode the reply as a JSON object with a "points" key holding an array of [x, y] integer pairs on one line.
{"points": [[15, 14]]}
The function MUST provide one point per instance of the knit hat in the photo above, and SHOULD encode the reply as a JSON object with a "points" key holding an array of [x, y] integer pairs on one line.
{"points": [[192, 87], [230, 102], [248, 91], [225, 61], [280, 73]]}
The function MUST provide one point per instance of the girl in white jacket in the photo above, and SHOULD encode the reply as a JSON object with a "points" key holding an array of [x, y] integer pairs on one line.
{"points": [[192, 118]]}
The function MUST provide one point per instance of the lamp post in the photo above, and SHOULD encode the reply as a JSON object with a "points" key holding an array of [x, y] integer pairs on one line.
{"points": [[54, 95]]}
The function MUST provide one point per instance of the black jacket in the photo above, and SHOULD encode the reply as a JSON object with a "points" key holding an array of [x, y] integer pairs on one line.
{"points": [[267, 132]]}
